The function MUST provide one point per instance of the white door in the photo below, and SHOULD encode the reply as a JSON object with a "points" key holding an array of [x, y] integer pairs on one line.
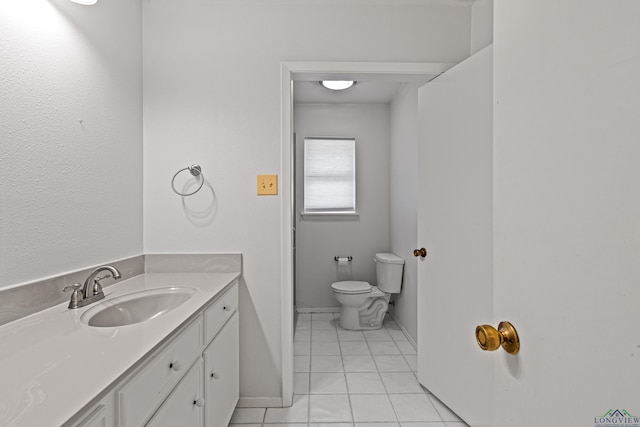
{"points": [[455, 283], [567, 211], [566, 222]]}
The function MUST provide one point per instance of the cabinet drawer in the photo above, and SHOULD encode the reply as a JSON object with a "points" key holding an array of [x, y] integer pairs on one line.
{"points": [[219, 312], [140, 397], [185, 405]]}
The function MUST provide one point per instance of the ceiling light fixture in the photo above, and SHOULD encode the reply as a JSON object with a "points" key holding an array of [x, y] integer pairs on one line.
{"points": [[85, 2], [337, 84]]}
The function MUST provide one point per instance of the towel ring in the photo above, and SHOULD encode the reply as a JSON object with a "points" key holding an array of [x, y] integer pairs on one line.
{"points": [[195, 170]]}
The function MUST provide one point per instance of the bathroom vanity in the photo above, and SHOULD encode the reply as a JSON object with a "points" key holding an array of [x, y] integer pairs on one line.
{"points": [[178, 368]]}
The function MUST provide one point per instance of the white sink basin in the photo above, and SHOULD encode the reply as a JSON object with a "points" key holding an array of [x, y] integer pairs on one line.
{"points": [[136, 307]]}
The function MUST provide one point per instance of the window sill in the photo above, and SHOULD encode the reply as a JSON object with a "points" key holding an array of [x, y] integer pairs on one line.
{"points": [[333, 215]]}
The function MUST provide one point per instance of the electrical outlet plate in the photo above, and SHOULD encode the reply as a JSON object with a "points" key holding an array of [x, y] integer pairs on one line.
{"points": [[267, 185]]}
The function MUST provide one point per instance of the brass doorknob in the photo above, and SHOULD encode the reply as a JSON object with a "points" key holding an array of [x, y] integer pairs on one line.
{"points": [[422, 252], [489, 339]]}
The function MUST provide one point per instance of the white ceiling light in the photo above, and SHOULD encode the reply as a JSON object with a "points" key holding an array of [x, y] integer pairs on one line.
{"points": [[87, 2], [337, 84]]}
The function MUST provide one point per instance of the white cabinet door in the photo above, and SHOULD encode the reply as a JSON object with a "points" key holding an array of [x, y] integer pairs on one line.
{"points": [[99, 417], [185, 405], [221, 361], [455, 226]]}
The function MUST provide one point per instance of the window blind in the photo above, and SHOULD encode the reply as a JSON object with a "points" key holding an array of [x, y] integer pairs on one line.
{"points": [[329, 175]]}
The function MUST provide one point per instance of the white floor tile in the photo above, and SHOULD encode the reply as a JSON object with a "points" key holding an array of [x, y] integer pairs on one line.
{"points": [[391, 363], [359, 363], [323, 325], [301, 348], [324, 336], [406, 347], [302, 336], [445, 413], [401, 382], [300, 383], [303, 325], [412, 361], [322, 316], [329, 408], [354, 347], [372, 407], [348, 335], [397, 335], [325, 348], [301, 363], [420, 424], [383, 347], [326, 364], [377, 335], [390, 324], [297, 413], [327, 383], [285, 424], [348, 378], [247, 415], [414, 407], [365, 383]]}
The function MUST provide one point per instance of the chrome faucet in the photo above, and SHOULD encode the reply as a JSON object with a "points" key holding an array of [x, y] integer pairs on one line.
{"points": [[91, 291]]}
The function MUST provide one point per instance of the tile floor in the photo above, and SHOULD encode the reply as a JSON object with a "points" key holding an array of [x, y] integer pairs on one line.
{"points": [[352, 379]]}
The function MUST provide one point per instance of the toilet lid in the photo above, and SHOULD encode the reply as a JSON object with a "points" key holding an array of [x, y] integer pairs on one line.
{"points": [[352, 287]]}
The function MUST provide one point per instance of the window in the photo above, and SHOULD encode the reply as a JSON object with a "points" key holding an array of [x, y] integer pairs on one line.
{"points": [[329, 175]]}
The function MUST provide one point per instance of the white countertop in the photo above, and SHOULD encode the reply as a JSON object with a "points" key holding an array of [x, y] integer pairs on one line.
{"points": [[52, 364]]}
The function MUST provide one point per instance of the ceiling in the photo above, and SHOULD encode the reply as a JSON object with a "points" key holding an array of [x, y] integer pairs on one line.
{"points": [[363, 92]]}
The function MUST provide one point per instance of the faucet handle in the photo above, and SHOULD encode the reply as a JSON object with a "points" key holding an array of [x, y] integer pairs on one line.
{"points": [[97, 287], [76, 295]]}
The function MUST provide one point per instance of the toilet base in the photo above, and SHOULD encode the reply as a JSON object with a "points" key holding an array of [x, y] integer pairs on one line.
{"points": [[369, 315]]}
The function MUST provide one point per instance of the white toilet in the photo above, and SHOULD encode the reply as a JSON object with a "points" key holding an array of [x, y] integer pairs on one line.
{"points": [[363, 305]]}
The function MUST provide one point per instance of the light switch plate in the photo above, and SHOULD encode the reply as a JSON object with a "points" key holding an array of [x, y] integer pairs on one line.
{"points": [[267, 185]]}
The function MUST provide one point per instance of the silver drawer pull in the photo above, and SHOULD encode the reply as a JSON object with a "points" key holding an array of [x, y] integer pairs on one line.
{"points": [[175, 366], [199, 402], [215, 375]]}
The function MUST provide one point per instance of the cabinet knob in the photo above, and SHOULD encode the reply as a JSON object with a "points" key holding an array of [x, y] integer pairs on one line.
{"points": [[199, 402], [175, 366], [214, 375], [226, 308]]}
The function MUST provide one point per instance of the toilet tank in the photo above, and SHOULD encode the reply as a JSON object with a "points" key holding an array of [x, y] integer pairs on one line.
{"points": [[389, 272]]}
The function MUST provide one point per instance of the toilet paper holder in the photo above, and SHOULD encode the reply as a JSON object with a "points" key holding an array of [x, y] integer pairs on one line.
{"points": [[337, 258]]}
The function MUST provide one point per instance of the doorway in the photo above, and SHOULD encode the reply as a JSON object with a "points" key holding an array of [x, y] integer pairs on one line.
{"points": [[291, 72]]}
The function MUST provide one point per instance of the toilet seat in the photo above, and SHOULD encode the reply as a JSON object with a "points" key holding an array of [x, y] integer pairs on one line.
{"points": [[351, 287]]}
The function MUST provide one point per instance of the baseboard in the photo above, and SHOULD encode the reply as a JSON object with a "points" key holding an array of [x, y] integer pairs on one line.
{"points": [[404, 331], [319, 310], [259, 402]]}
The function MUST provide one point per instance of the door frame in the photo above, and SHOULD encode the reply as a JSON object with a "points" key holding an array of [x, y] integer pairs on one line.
{"points": [[316, 71]]}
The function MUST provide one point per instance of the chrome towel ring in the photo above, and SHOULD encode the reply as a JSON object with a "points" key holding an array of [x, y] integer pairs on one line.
{"points": [[196, 171]]}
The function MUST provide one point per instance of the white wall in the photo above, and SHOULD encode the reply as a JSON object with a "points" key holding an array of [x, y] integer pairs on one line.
{"points": [[319, 239], [212, 95], [71, 136], [404, 179], [481, 25]]}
